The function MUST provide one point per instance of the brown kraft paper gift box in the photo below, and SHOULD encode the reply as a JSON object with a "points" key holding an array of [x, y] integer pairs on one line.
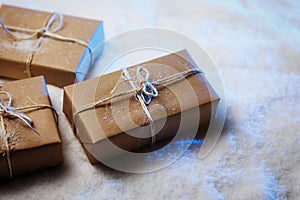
{"points": [[29, 151], [95, 140], [61, 62]]}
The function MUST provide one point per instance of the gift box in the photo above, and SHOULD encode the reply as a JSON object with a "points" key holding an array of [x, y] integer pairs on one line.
{"points": [[34, 43], [140, 106], [29, 137]]}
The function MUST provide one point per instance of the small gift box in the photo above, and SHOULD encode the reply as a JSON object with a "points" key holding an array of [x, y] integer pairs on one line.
{"points": [[34, 43], [140, 106], [29, 137]]}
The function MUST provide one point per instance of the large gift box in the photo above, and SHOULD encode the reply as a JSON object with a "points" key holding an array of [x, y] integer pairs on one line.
{"points": [[140, 106], [34, 43], [29, 137]]}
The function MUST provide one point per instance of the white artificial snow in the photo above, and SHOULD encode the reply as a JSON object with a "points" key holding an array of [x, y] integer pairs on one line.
{"points": [[256, 47]]}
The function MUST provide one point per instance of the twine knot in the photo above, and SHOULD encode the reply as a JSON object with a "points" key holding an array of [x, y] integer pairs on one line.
{"points": [[41, 32], [146, 88], [6, 110]]}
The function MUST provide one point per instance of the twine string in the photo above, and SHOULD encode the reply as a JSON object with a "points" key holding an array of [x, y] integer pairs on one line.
{"points": [[8, 111], [144, 90], [5, 146]]}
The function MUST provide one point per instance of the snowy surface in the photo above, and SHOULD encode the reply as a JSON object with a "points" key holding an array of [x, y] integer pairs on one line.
{"points": [[256, 47]]}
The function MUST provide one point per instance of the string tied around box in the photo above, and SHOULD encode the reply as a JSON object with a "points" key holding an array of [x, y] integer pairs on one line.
{"points": [[10, 112], [142, 88], [44, 31]]}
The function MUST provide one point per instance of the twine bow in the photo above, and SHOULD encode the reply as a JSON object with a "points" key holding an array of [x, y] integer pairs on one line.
{"points": [[8, 111], [144, 90], [44, 31]]}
